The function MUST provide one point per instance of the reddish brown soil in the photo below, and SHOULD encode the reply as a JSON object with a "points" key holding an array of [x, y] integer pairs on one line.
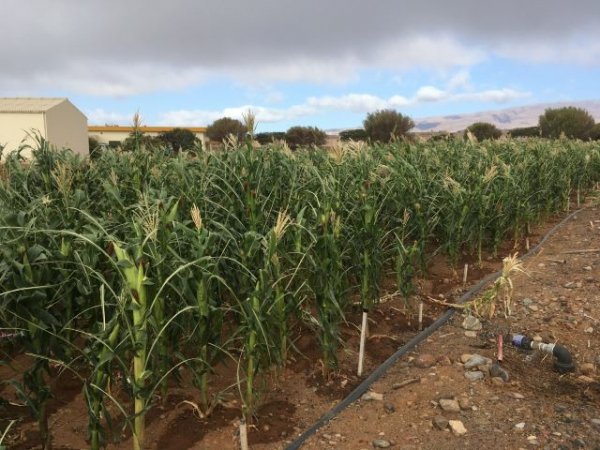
{"points": [[556, 409]]}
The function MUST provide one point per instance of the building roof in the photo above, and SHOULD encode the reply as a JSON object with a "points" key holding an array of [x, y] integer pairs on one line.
{"points": [[28, 104], [129, 129]]}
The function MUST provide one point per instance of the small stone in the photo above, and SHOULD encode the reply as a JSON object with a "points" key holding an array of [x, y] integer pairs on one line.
{"points": [[587, 369], [464, 403], [389, 407], [588, 268], [585, 379], [596, 422], [527, 301], [471, 334], [443, 360], [449, 405], [440, 422], [425, 360], [381, 443], [589, 330], [538, 338], [471, 323], [457, 427], [532, 440], [474, 376], [520, 426], [578, 443], [266, 428], [497, 381], [465, 357], [369, 396], [476, 361], [496, 371], [517, 395], [533, 307]]}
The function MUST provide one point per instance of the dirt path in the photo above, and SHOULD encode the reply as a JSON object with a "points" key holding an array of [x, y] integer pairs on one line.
{"points": [[559, 302]]}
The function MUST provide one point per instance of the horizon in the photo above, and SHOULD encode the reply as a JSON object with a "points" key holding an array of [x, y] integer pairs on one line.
{"points": [[326, 65]]}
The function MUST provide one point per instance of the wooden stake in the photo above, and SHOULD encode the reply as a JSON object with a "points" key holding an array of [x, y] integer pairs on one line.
{"points": [[420, 316], [527, 244], [465, 273], [363, 336], [243, 435]]}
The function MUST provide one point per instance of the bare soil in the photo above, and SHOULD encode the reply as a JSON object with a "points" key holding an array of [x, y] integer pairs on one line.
{"points": [[558, 301]]}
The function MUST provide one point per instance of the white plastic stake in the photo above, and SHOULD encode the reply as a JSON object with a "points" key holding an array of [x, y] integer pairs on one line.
{"points": [[465, 273], [243, 435], [527, 244], [420, 316], [363, 337]]}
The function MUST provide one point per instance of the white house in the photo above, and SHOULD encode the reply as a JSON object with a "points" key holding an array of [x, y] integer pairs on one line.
{"points": [[113, 135], [54, 119]]}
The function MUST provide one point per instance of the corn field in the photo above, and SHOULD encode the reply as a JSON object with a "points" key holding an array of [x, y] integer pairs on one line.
{"points": [[138, 266]]}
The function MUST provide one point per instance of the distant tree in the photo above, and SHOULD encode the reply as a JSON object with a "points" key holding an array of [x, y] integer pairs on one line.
{"points": [[221, 128], [179, 138], [594, 133], [525, 132], [138, 140], [484, 130], [387, 124], [305, 137], [358, 134], [575, 123], [268, 137]]}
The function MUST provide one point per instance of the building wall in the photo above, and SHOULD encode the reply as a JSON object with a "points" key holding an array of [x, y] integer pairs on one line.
{"points": [[111, 135], [14, 129], [67, 128]]}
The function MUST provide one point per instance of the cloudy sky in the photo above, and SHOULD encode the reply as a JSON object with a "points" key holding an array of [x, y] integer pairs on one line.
{"points": [[298, 62]]}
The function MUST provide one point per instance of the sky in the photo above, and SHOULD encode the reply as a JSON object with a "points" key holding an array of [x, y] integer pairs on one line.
{"points": [[324, 63]]}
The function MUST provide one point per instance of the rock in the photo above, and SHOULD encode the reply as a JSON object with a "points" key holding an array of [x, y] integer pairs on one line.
{"points": [[476, 361], [449, 405], [464, 403], [517, 395], [381, 443], [471, 334], [474, 376], [578, 443], [589, 330], [520, 426], [465, 357], [443, 360], [457, 427], [497, 381], [533, 307], [496, 371], [369, 396], [588, 268], [587, 369], [389, 407], [596, 422], [527, 301], [471, 323], [585, 379], [440, 422], [532, 440], [425, 360]]}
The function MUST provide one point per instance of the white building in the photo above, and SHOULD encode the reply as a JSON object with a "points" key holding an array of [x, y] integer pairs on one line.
{"points": [[54, 119], [113, 135]]}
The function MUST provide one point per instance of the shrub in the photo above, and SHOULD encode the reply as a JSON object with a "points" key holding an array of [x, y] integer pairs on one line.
{"points": [[594, 133], [305, 137], [267, 138], [575, 123], [484, 130], [386, 125], [221, 128], [358, 134], [525, 132], [179, 138]]}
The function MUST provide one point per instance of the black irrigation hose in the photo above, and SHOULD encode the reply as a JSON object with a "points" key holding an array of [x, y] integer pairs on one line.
{"points": [[379, 371]]}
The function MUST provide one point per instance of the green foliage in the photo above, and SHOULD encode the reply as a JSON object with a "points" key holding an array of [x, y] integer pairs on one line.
{"points": [[179, 138], [358, 134], [484, 130], [269, 137], [138, 140], [594, 133], [574, 123], [525, 132], [220, 129], [305, 137], [387, 125]]}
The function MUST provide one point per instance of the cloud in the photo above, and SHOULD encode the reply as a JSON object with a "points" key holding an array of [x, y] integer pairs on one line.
{"points": [[115, 48], [356, 103]]}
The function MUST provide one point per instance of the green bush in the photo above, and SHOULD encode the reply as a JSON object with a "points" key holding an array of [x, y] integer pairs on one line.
{"points": [[574, 123], [386, 125], [179, 138], [221, 128], [269, 137], [484, 130], [594, 133], [525, 132], [358, 134], [305, 137]]}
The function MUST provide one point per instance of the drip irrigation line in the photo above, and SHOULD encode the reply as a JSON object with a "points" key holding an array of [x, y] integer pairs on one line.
{"points": [[417, 339]]}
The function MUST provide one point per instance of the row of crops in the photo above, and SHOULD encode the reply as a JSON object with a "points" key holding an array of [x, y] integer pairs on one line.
{"points": [[136, 266]]}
